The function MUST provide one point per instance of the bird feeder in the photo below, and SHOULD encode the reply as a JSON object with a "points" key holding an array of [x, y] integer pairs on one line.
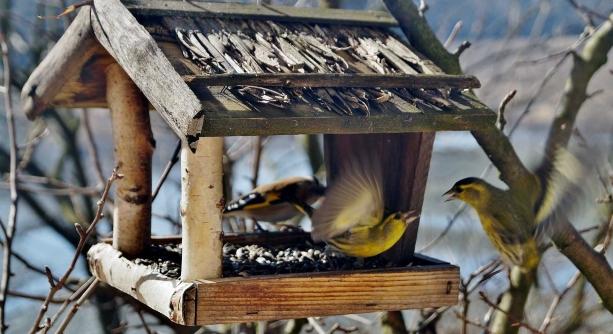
{"points": [[311, 71]]}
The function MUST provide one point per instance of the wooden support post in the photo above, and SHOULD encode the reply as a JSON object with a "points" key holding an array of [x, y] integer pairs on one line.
{"points": [[201, 207], [406, 160], [133, 144]]}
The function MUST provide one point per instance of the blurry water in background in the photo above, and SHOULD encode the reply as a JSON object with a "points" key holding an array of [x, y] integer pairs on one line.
{"points": [[495, 58]]}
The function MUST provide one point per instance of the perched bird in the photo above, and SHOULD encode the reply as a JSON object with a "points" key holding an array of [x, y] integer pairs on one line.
{"points": [[278, 201], [517, 223], [352, 218]]}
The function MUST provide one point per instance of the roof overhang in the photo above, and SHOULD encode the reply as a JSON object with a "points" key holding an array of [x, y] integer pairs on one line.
{"points": [[73, 74]]}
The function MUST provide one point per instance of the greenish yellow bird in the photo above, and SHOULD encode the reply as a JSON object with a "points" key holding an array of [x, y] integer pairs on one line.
{"points": [[278, 201], [352, 217], [517, 223]]}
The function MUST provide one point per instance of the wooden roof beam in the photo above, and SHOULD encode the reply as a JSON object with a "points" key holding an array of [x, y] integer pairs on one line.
{"points": [[62, 65], [264, 12], [139, 55], [336, 80]]}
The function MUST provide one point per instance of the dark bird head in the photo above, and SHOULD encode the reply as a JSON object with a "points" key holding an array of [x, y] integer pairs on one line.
{"points": [[469, 190]]}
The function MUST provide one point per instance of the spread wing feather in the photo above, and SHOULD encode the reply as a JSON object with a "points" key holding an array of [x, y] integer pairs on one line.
{"points": [[356, 199], [566, 180]]}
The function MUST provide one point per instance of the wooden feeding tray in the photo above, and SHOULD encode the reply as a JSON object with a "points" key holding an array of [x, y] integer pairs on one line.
{"points": [[425, 283]]}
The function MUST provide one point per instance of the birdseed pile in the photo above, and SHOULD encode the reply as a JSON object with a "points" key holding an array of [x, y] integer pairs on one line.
{"points": [[251, 260], [254, 46]]}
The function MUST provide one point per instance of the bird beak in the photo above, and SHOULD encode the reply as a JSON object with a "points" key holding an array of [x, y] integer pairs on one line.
{"points": [[450, 194]]}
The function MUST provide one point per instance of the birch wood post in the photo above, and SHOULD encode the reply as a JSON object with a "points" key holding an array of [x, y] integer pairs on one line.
{"points": [[201, 207], [133, 146]]}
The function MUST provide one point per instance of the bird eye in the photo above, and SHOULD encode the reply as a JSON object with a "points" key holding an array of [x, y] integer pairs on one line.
{"points": [[397, 215]]}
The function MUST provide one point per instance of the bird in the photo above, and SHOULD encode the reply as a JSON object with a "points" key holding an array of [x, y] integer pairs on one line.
{"points": [[518, 223], [352, 218], [278, 201]]}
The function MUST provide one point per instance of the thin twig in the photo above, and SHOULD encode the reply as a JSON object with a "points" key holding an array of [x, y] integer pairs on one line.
{"points": [[452, 220], [72, 298], [486, 272], [604, 245], [34, 137], [471, 322], [25, 261], [173, 160], [66, 191], [588, 13], [556, 301], [83, 236], [9, 230], [336, 327], [516, 322], [29, 296], [454, 32], [500, 119], [77, 305], [142, 320], [316, 326], [257, 159], [463, 46], [423, 8], [92, 149]]}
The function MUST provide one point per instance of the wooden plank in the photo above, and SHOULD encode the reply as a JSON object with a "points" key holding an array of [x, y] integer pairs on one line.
{"points": [[415, 178], [133, 148], [137, 52], [324, 294], [63, 64], [294, 121], [164, 295], [263, 12], [336, 80], [201, 206]]}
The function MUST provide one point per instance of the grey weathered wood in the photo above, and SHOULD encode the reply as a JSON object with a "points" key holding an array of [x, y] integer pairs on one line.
{"points": [[61, 66], [227, 116], [139, 55], [336, 80], [292, 121], [264, 12]]}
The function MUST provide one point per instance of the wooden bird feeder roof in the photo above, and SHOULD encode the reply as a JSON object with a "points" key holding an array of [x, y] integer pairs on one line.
{"points": [[225, 69]]}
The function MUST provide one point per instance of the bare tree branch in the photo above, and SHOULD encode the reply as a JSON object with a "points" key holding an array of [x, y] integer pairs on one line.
{"points": [[9, 230], [453, 34], [76, 306], [516, 322], [92, 148], [500, 120], [83, 236], [173, 160]]}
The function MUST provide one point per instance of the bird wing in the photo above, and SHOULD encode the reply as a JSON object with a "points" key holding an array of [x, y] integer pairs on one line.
{"points": [[279, 185], [355, 200], [565, 181]]}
